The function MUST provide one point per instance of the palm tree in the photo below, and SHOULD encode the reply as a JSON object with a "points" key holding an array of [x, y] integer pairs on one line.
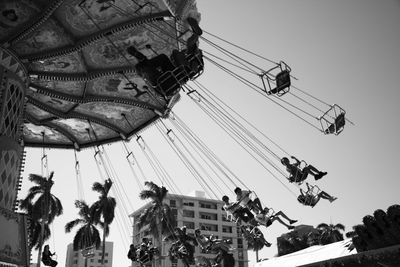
{"points": [[158, 216], [255, 239], [43, 205], [380, 233], [385, 223], [87, 235], [35, 229], [330, 233], [255, 244], [104, 210]]}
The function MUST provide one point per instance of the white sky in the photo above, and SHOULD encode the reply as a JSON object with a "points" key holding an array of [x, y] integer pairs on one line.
{"points": [[343, 52]]}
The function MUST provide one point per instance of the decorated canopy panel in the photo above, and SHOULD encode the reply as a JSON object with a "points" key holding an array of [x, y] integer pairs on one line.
{"points": [[84, 88]]}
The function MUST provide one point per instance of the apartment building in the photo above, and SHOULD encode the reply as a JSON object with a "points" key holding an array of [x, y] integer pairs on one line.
{"points": [[75, 258], [196, 211]]}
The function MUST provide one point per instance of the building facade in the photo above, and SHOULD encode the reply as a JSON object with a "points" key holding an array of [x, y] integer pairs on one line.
{"points": [[75, 258], [197, 212]]}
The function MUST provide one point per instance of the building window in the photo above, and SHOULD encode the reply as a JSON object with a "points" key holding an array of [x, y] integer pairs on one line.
{"points": [[91, 260], [208, 205], [240, 243], [209, 227], [208, 216], [106, 261], [226, 229], [190, 204], [75, 254], [172, 203], [240, 255], [75, 261], [189, 225], [188, 213]]}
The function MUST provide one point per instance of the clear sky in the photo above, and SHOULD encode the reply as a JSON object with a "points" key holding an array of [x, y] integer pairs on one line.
{"points": [[344, 52]]}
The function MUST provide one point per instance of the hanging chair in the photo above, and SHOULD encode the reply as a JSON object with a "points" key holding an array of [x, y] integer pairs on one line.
{"points": [[170, 82], [196, 64], [333, 120], [298, 177], [312, 194], [278, 79]]}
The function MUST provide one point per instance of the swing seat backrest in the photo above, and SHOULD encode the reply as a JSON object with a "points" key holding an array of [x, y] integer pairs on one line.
{"points": [[333, 120], [340, 121], [170, 82], [283, 83], [280, 75], [196, 65]]}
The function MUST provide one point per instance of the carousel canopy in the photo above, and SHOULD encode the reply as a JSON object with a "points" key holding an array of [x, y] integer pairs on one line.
{"points": [[83, 88]]}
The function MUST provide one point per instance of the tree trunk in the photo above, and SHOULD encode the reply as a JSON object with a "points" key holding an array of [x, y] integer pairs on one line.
{"points": [[40, 243], [45, 218], [86, 259], [103, 250], [257, 255], [161, 244]]}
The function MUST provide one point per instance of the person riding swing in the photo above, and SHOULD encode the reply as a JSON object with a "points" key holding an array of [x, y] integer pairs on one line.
{"points": [[243, 198], [311, 198], [46, 257], [298, 175]]}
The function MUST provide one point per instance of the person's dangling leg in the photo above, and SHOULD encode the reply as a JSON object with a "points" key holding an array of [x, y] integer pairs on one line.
{"points": [[325, 195], [276, 218], [134, 52], [280, 213], [194, 24], [191, 44], [315, 172]]}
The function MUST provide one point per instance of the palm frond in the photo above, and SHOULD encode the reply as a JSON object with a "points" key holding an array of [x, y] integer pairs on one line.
{"points": [[143, 218], [98, 187], [37, 179], [322, 225], [147, 194], [340, 226], [35, 190], [72, 224], [152, 186]]}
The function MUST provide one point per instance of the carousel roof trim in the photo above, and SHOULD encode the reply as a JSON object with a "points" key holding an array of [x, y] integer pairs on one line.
{"points": [[81, 77], [136, 131], [74, 115], [94, 98], [104, 33]]}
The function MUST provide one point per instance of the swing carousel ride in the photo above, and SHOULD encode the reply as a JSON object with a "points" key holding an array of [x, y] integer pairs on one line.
{"points": [[70, 80]]}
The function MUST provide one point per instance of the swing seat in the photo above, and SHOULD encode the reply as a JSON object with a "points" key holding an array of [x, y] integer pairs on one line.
{"points": [[196, 65], [170, 82], [333, 120], [298, 178], [278, 80]]}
